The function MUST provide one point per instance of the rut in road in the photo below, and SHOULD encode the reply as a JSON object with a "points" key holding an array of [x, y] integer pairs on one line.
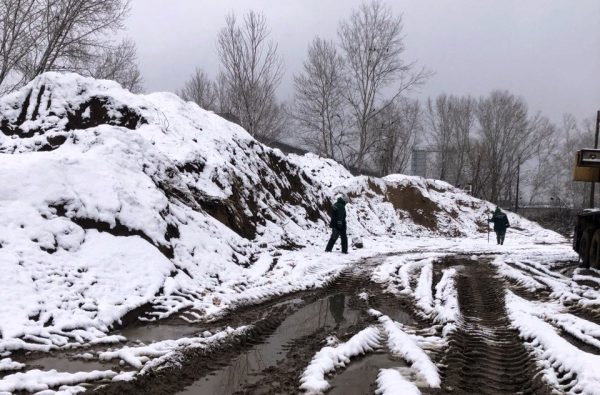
{"points": [[485, 354]]}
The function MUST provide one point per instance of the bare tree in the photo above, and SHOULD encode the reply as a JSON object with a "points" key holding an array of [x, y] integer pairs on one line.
{"points": [[439, 121], [319, 100], [119, 64], [371, 40], [201, 90], [508, 139], [251, 69], [450, 122], [573, 137], [72, 31], [400, 125], [543, 176], [18, 37], [65, 35]]}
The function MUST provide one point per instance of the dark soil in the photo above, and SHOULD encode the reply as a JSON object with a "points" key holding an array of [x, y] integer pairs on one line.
{"points": [[286, 335], [486, 355]]}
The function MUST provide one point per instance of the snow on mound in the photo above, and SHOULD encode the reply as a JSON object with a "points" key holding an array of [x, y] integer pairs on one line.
{"points": [[112, 201]]}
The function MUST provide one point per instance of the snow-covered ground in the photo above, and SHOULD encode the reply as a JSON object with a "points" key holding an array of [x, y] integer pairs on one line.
{"points": [[112, 201]]}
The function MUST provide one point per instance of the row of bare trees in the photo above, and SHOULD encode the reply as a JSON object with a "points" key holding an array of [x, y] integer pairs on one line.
{"points": [[65, 35], [352, 104], [349, 99], [494, 144]]}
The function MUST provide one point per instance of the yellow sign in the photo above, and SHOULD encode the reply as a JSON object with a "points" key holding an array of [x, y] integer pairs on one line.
{"points": [[588, 174]]}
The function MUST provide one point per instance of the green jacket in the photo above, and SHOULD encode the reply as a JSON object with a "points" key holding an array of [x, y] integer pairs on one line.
{"points": [[338, 215], [500, 221]]}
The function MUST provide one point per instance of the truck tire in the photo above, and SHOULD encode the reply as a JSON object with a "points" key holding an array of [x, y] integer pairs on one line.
{"points": [[584, 247], [595, 250]]}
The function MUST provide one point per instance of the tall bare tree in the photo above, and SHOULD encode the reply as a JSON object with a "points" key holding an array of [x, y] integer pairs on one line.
{"points": [[371, 40], [508, 138], [119, 63], [201, 90], [65, 35], [400, 125], [19, 20], [450, 122], [72, 31], [251, 68], [320, 101], [543, 173]]}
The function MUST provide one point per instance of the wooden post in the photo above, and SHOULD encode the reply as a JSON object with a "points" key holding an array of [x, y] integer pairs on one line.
{"points": [[593, 191]]}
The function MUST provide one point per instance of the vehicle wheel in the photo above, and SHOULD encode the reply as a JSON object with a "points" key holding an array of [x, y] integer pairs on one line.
{"points": [[595, 251], [584, 247]]}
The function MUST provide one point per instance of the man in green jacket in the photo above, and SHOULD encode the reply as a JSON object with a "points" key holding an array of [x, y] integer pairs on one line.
{"points": [[500, 221], [338, 225]]}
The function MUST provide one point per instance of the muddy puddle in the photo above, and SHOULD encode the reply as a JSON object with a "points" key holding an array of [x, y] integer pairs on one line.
{"points": [[69, 364], [360, 376], [158, 332], [332, 312], [285, 336]]}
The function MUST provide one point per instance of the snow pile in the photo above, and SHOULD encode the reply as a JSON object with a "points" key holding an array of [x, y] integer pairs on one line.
{"points": [[330, 358], [113, 201]]}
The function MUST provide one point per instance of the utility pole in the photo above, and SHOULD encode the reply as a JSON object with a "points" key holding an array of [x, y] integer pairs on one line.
{"points": [[592, 192], [518, 174]]}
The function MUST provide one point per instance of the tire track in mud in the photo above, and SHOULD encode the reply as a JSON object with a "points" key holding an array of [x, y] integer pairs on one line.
{"points": [[485, 354], [270, 357]]}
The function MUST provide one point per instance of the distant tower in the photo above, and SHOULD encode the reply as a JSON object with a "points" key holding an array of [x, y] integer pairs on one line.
{"points": [[419, 162]]}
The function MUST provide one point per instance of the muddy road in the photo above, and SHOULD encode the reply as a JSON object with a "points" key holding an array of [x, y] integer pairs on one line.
{"points": [[483, 354]]}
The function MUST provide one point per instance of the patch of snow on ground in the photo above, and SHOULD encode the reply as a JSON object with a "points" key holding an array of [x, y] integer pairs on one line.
{"points": [[9, 364], [391, 382], [38, 380], [329, 359], [401, 344], [553, 352]]}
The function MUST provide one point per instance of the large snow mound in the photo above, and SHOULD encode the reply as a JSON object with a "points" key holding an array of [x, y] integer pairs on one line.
{"points": [[111, 201]]}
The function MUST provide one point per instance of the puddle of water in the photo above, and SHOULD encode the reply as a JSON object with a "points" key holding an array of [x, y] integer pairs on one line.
{"points": [[359, 377], [329, 312], [399, 315], [158, 332], [393, 309], [66, 364]]}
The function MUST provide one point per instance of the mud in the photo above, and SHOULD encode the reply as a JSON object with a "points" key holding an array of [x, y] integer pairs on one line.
{"points": [[157, 332], [361, 375], [286, 335], [485, 354]]}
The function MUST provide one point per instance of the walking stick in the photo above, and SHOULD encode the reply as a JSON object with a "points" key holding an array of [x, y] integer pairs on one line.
{"points": [[487, 224]]}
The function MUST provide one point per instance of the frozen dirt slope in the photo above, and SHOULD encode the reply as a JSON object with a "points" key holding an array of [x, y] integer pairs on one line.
{"points": [[111, 201]]}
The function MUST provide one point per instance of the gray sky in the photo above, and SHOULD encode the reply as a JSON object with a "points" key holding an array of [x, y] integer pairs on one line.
{"points": [[547, 51]]}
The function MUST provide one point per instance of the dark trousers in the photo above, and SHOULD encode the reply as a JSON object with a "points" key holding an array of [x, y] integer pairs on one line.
{"points": [[335, 233], [500, 237]]}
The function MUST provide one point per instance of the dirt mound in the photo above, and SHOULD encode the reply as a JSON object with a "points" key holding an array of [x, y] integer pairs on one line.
{"points": [[409, 198]]}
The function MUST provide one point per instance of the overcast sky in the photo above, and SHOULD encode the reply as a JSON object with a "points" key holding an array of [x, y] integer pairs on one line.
{"points": [[547, 51]]}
